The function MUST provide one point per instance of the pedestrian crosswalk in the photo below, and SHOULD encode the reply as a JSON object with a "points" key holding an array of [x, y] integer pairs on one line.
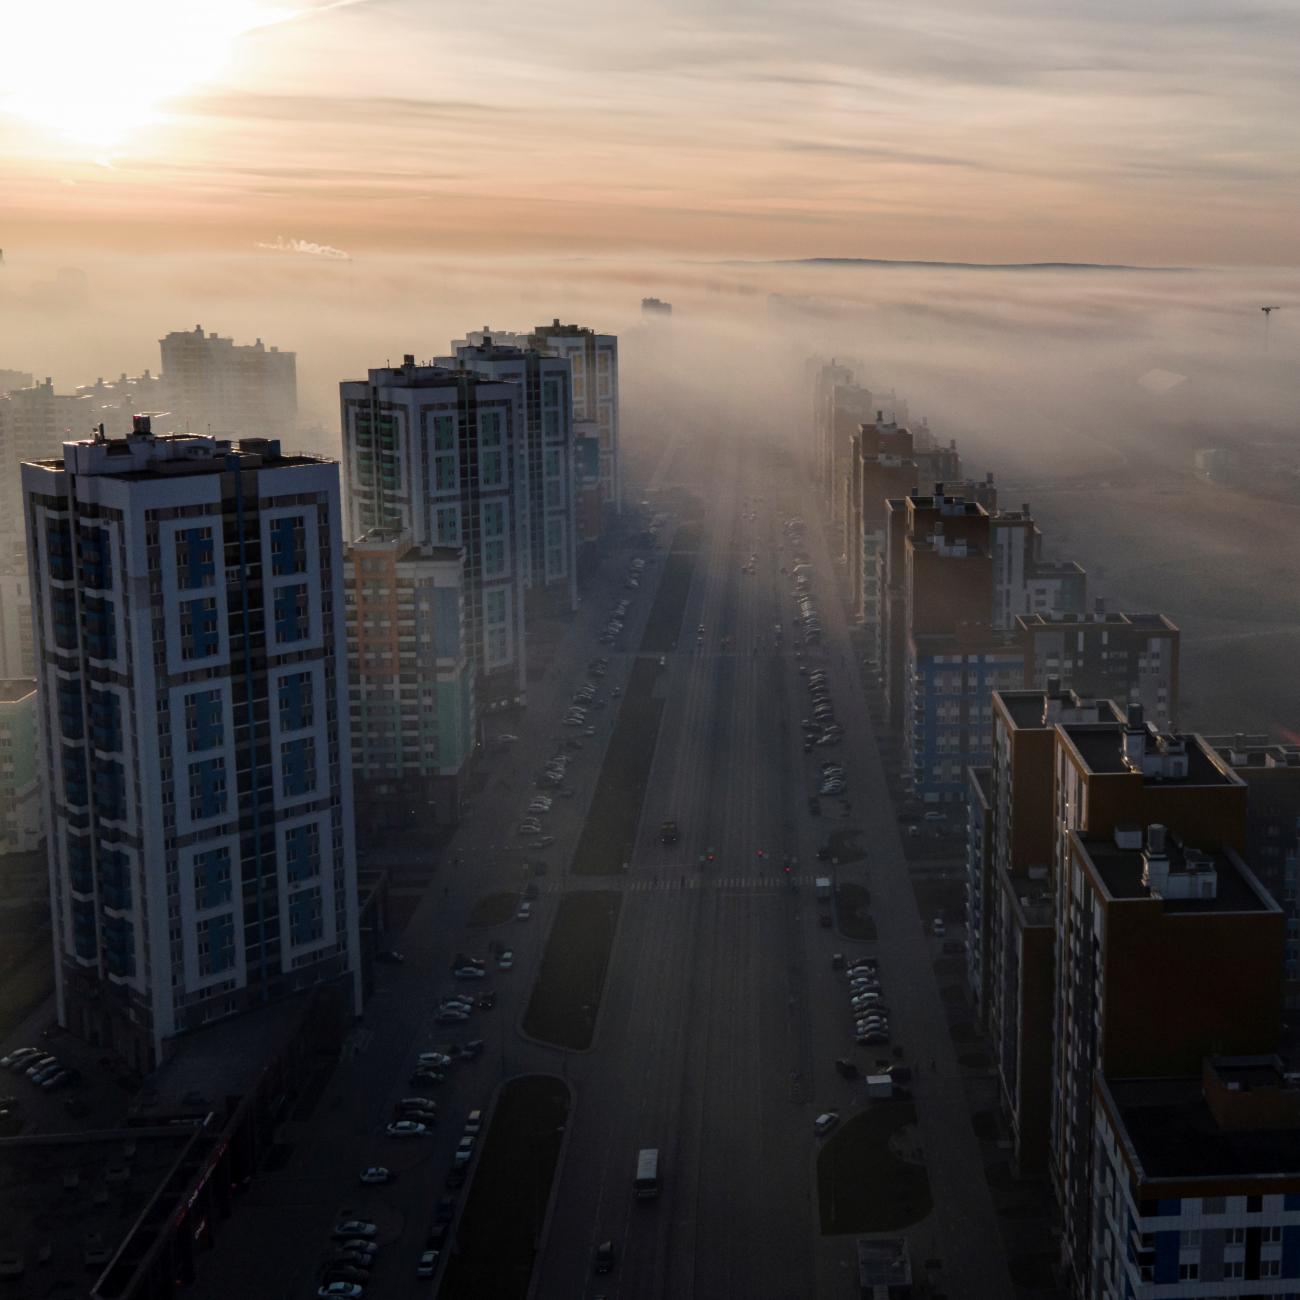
{"points": [[638, 884]]}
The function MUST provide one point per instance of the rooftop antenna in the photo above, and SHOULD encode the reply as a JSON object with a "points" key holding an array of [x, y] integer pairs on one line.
{"points": [[1268, 314]]}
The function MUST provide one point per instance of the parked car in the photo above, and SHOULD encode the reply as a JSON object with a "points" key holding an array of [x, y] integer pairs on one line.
{"points": [[407, 1128], [375, 1174], [525, 911], [846, 1069], [342, 1290], [354, 1228], [825, 1122], [506, 960], [604, 1259], [428, 1264]]}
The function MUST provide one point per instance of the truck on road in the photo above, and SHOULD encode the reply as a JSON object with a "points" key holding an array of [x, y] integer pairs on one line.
{"points": [[823, 887]]}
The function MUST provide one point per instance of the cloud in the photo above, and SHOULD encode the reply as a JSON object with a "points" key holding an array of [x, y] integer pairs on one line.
{"points": [[306, 248]]}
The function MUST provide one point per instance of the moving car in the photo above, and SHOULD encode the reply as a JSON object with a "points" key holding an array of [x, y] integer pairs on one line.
{"points": [[524, 912], [474, 1123], [376, 1174], [825, 1122], [506, 960], [428, 1264], [464, 1150], [604, 1261]]}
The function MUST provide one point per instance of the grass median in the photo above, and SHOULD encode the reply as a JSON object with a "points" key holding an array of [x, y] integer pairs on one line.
{"points": [[496, 1240], [566, 997], [862, 1185]]}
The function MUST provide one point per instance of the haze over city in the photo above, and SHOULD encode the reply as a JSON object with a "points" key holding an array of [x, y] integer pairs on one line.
{"points": [[647, 652]]}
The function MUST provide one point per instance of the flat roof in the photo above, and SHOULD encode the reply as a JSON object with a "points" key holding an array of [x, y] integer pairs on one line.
{"points": [[1120, 872], [1168, 1127], [1101, 746], [1056, 621], [77, 1196], [219, 1061]]}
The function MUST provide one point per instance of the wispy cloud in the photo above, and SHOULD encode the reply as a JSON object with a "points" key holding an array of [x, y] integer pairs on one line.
{"points": [[305, 248]]}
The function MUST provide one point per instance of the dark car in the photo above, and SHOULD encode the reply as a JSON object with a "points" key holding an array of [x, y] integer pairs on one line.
{"points": [[605, 1257], [437, 1237], [446, 1210], [471, 1051], [455, 1177], [340, 1272], [846, 1069], [823, 852], [486, 1001]]}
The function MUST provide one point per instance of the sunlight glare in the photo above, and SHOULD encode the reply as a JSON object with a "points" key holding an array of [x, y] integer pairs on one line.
{"points": [[93, 72]]}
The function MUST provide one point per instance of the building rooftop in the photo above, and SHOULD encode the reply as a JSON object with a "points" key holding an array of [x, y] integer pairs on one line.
{"points": [[1030, 711], [1253, 753], [1055, 621], [13, 689], [71, 1200], [1123, 874], [1170, 1131], [1164, 757], [143, 454]]}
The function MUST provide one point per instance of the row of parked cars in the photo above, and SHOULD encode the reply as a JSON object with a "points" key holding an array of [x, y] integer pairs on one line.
{"points": [[866, 1001], [821, 727], [41, 1067]]}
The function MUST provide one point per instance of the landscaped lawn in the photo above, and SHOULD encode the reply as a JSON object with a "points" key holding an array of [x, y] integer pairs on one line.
{"points": [[495, 1240], [861, 1185], [566, 997]]}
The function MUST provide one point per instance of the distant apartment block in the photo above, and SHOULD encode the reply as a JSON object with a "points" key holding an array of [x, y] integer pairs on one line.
{"points": [[593, 358], [826, 377], [1272, 775], [1198, 1183], [34, 422], [548, 471], [22, 817], [195, 744], [17, 650], [1024, 583], [114, 403], [1132, 658], [655, 307], [881, 467], [411, 680], [440, 455], [10, 379], [214, 385]]}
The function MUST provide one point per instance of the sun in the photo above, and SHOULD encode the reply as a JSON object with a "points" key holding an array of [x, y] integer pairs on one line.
{"points": [[94, 73]]}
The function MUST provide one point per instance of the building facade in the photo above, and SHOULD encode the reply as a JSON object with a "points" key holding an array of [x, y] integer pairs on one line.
{"points": [[549, 471], [1197, 1183], [17, 652], [593, 359], [215, 386], [440, 455], [22, 818], [411, 680], [189, 630], [1130, 658]]}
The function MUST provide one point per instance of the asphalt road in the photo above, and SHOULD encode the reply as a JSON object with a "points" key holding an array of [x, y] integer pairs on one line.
{"points": [[721, 1017]]}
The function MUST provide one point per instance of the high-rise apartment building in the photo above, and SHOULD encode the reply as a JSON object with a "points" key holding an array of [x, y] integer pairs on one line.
{"points": [[11, 379], [1197, 1183], [826, 377], [216, 386], [114, 403], [440, 455], [593, 358], [549, 550], [1131, 658], [411, 680], [22, 820], [882, 467], [33, 423], [189, 626], [1271, 772], [1023, 581], [17, 651]]}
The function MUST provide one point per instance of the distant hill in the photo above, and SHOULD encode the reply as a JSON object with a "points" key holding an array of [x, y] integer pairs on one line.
{"points": [[955, 266]]}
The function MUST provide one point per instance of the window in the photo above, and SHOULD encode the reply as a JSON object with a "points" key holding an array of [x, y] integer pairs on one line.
{"points": [[306, 917], [205, 722], [1188, 1272], [207, 788], [298, 767], [212, 886], [447, 525], [199, 635], [291, 615], [216, 944], [288, 545], [195, 561], [302, 853], [445, 468], [491, 450], [295, 700]]}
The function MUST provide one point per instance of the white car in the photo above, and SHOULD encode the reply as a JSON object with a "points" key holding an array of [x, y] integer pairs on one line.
{"points": [[434, 1058], [525, 911], [376, 1174], [506, 960], [407, 1128], [464, 1151], [825, 1122], [345, 1290], [428, 1264], [473, 1123], [470, 972]]}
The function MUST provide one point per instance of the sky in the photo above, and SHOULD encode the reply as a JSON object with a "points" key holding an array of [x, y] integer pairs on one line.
{"points": [[985, 130]]}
